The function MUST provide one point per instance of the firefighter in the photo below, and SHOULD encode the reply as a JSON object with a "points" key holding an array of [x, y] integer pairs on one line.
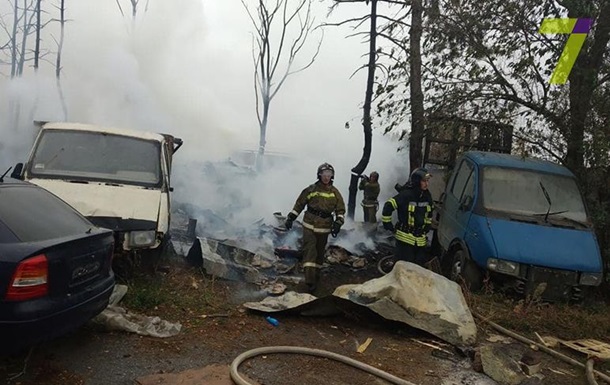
{"points": [[414, 207], [370, 205], [322, 200]]}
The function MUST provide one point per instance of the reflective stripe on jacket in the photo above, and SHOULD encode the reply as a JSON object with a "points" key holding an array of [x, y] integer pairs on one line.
{"points": [[322, 201], [414, 212]]}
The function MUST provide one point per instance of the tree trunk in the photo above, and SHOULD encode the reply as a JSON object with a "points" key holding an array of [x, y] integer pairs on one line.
{"points": [[262, 139], [582, 82], [24, 39], [62, 22], [37, 49], [366, 116], [14, 41], [417, 96]]}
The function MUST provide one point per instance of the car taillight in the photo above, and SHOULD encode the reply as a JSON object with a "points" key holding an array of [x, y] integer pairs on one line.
{"points": [[30, 279]]}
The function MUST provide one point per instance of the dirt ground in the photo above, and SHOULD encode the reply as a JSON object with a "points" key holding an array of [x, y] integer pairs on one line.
{"points": [[217, 328]]}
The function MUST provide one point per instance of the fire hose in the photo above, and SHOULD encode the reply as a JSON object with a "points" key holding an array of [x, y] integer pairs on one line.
{"points": [[239, 380]]}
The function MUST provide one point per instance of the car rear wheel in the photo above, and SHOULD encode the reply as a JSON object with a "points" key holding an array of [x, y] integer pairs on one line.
{"points": [[466, 272]]}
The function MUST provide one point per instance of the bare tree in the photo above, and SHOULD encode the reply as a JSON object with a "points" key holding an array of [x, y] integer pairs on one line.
{"points": [[274, 59], [19, 32], [38, 28], [375, 31], [134, 9], [60, 45], [367, 123]]}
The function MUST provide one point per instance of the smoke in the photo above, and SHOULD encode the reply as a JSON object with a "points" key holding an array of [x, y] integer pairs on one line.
{"points": [[185, 68]]}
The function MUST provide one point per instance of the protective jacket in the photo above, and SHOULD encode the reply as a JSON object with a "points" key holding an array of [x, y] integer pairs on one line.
{"points": [[414, 211], [371, 192], [321, 201]]}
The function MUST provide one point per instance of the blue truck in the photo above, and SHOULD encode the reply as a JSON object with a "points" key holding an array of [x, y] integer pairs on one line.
{"points": [[519, 222]]}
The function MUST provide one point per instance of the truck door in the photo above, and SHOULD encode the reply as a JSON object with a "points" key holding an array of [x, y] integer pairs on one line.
{"points": [[457, 205]]}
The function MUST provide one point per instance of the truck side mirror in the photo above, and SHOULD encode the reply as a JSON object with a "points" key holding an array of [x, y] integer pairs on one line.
{"points": [[16, 174], [466, 203]]}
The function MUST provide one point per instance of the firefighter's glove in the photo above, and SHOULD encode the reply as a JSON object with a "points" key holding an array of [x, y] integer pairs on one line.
{"points": [[289, 219], [335, 228], [388, 226]]}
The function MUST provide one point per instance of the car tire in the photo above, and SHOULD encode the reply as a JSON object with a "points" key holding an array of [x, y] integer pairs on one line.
{"points": [[465, 271], [386, 264]]}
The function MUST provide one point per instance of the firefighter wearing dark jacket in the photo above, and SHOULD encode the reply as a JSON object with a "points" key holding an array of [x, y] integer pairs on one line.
{"points": [[322, 200], [370, 186], [414, 207]]}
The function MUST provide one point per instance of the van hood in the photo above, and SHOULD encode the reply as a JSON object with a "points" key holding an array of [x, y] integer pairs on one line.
{"points": [[554, 247], [97, 199]]}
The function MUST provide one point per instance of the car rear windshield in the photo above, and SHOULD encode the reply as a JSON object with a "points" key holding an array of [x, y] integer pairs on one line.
{"points": [[34, 214], [97, 156]]}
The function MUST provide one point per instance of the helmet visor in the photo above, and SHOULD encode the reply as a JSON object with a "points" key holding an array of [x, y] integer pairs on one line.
{"points": [[327, 173]]}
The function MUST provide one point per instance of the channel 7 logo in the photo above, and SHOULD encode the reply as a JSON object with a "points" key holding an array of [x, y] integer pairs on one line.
{"points": [[578, 30]]}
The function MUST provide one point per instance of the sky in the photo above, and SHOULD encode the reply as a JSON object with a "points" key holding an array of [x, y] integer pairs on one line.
{"points": [[186, 69]]}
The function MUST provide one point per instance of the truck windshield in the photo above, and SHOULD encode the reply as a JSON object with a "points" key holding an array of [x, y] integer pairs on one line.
{"points": [[82, 155], [519, 192]]}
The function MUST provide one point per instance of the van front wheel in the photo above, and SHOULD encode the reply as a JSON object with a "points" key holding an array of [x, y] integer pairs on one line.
{"points": [[464, 271]]}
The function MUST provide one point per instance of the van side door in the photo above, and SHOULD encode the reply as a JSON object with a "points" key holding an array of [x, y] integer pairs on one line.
{"points": [[457, 205]]}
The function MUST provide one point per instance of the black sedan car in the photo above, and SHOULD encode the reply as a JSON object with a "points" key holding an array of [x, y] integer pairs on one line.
{"points": [[55, 266]]}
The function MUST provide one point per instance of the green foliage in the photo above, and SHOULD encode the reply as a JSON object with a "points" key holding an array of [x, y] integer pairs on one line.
{"points": [[486, 61]]}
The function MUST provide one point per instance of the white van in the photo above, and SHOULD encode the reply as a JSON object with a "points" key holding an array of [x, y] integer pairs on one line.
{"points": [[119, 179]]}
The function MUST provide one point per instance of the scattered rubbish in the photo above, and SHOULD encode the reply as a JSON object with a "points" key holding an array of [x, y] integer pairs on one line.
{"points": [[500, 363], [275, 288], [289, 300], [530, 370], [530, 362], [430, 345], [557, 371], [117, 318], [213, 315], [272, 321], [444, 355], [499, 338], [441, 310], [365, 345], [590, 347]]}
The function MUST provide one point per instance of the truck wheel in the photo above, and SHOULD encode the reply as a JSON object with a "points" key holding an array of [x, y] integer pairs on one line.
{"points": [[463, 270]]}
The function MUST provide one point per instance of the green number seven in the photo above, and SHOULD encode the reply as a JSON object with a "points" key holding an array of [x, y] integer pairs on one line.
{"points": [[578, 30]]}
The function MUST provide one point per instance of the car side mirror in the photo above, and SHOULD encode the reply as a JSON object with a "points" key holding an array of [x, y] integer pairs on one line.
{"points": [[466, 203], [16, 174]]}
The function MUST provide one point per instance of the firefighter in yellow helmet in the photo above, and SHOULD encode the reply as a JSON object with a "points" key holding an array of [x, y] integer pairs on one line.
{"points": [[322, 200], [414, 206], [370, 205]]}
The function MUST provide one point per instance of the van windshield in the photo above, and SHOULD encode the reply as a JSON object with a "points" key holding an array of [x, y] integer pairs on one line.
{"points": [[82, 155], [520, 192]]}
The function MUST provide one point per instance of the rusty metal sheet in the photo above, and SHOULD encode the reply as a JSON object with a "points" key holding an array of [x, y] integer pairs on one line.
{"points": [[590, 347]]}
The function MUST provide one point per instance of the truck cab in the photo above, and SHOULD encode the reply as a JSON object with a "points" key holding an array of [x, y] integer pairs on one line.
{"points": [[119, 179], [523, 222]]}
